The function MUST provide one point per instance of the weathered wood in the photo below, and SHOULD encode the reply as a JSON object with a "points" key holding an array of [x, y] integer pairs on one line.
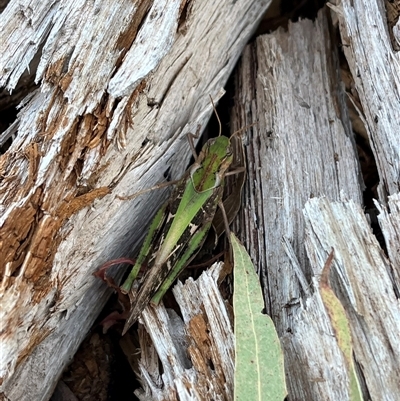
{"points": [[375, 68], [137, 75], [196, 353], [363, 281], [302, 148], [390, 226]]}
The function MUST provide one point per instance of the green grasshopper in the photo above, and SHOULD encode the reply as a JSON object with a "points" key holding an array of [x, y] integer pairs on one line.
{"points": [[180, 227]]}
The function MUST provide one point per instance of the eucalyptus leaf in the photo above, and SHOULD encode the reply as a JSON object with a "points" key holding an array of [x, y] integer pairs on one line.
{"points": [[259, 364]]}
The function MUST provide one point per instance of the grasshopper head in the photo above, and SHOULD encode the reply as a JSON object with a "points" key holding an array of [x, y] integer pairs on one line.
{"points": [[214, 159]]}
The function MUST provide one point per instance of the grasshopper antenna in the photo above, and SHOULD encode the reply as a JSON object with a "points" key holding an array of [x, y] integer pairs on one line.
{"points": [[216, 114], [244, 128]]}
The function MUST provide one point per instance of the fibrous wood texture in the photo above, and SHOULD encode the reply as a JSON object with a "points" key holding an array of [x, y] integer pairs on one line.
{"points": [[196, 352], [304, 196], [121, 83], [375, 69]]}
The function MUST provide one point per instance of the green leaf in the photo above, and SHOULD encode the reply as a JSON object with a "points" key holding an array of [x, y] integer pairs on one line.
{"points": [[341, 328], [259, 369]]}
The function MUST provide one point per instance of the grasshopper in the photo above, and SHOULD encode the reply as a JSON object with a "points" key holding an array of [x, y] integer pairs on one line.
{"points": [[180, 227]]}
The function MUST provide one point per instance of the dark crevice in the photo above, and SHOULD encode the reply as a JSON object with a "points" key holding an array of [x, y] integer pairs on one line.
{"points": [[184, 16], [361, 379], [7, 117], [3, 5], [103, 365], [368, 166], [281, 12], [9, 101], [123, 381]]}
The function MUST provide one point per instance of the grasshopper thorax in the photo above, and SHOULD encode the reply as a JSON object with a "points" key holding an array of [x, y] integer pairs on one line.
{"points": [[212, 163]]}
